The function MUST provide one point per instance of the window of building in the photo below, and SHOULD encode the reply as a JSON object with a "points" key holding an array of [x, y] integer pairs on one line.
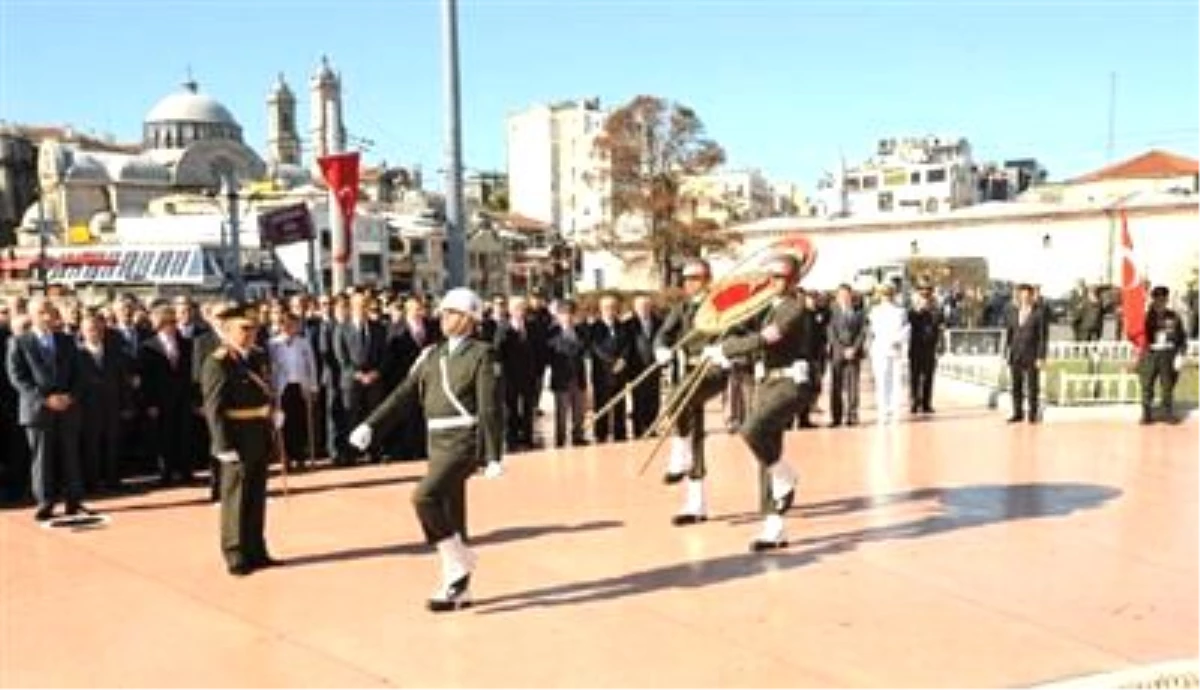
{"points": [[417, 248], [895, 178], [935, 175], [870, 182], [915, 177], [853, 184], [886, 202]]}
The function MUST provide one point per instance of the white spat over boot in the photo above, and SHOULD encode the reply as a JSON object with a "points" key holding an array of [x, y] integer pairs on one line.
{"points": [[680, 461], [694, 508]]}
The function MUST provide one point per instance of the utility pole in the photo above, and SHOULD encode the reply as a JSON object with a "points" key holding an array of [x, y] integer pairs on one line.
{"points": [[456, 234], [43, 269], [1111, 151], [229, 190]]}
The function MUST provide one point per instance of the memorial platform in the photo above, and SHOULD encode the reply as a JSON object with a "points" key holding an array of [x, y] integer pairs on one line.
{"points": [[958, 551]]}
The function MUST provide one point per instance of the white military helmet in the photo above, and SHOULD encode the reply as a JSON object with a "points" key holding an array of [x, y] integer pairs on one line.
{"points": [[462, 300]]}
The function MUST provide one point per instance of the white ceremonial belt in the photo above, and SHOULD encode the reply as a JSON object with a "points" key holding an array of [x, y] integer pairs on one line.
{"points": [[1165, 347], [443, 423]]}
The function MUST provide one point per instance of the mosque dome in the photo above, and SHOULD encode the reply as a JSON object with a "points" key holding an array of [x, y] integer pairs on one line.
{"points": [[188, 116]]}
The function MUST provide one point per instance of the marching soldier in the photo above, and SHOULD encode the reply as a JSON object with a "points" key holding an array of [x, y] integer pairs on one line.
{"points": [[784, 373], [455, 383], [687, 442], [237, 402], [1167, 344]]}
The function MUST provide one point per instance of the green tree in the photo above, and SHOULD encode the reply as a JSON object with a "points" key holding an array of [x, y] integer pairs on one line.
{"points": [[650, 146]]}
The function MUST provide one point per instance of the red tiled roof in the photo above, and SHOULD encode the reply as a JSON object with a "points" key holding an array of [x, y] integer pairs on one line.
{"points": [[521, 223], [1150, 165]]}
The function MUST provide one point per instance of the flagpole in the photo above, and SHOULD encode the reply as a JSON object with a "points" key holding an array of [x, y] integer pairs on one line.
{"points": [[1111, 151], [338, 244], [456, 235]]}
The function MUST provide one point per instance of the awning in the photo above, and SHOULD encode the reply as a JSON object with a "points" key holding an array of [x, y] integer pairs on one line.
{"points": [[188, 265]]}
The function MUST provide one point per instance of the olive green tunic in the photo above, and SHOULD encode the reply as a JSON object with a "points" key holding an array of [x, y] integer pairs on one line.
{"points": [[460, 438], [237, 404]]}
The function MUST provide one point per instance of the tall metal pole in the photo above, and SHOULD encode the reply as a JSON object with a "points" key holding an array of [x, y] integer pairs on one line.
{"points": [[230, 189], [1111, 151], [43, 269], [339, 247], [456, 235]]}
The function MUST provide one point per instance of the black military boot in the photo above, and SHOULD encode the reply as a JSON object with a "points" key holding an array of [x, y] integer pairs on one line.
{"points": [[1147, 418]]}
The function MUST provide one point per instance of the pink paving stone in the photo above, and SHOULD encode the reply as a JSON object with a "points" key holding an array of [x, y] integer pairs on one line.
{"points": [[954, 552]]}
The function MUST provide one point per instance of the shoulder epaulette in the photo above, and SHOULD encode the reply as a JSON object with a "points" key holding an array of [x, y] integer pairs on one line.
{"points": [[220, 353]]}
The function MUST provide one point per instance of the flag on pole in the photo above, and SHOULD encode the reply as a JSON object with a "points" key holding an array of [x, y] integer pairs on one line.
{"points": [[1133, 291], [340, 171]]}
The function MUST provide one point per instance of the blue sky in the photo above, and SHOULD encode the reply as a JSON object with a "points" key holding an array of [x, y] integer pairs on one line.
{"points": [[784, 85]]}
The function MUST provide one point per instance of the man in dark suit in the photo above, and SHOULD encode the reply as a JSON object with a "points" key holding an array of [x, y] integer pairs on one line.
{"points": [[407, 337], [568, 349], [203, 345], [847, 335], [43, 366], [104, 370], [360, 348], [14, 449], [1026, 353], [643, 326], [165, 361], [540, 322], [514, 348], [611, 351], [334, 312], [924, 344], [137, 448]]}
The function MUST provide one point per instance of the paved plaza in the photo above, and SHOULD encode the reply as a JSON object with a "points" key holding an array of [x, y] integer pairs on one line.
{"points": [[953, 552]]}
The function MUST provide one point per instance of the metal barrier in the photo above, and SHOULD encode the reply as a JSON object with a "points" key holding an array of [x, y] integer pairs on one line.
{"points": [[1098, 389], [976, 342]]}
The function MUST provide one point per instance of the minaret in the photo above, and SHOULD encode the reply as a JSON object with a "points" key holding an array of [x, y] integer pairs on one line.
{"points": [[325, 89], [283, 142]]}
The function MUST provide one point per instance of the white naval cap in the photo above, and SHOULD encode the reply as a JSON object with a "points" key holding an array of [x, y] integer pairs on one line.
{"points": [[462, 300]]}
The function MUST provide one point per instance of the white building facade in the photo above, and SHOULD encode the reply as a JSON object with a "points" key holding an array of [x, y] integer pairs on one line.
{"points": [[1053, 245], [908, 176], [554, 172]]}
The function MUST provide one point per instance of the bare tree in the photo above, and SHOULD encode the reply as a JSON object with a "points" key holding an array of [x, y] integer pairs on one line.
{"points": [[650, 146]]}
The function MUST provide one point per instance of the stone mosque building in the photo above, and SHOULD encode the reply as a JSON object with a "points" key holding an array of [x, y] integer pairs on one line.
{"points": [[190, 144]]}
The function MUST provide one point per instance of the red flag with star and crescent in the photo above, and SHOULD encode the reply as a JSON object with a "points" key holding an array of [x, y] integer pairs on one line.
{"points": [[340, 171], [1133, 291]]}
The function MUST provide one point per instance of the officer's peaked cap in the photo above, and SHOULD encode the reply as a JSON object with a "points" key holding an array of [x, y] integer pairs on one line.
{"points": [[696, 268], [1160, 292], [242, 311]]}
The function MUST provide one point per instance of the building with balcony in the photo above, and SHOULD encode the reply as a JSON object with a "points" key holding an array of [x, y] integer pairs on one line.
{"points": [[555, 174], [908, 176]]}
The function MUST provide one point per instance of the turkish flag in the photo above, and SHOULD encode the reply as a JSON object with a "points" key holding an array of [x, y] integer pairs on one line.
{"points": [[1133, 292], [340, 171]]}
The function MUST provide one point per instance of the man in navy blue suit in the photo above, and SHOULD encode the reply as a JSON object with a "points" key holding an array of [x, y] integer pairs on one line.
{"points": [[43, 366]]}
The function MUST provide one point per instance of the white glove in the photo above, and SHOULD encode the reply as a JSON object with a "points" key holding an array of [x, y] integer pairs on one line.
{"points": [[228, 457], [360, 438], [493, 470], [714, 354], [662, 355], [278, 417], [1178, 362]]}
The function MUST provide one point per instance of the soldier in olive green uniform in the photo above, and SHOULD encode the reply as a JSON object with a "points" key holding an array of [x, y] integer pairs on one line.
{"points": [[237, 404], [778, 350], [687, 442], [455, 382], [1163, 358]]}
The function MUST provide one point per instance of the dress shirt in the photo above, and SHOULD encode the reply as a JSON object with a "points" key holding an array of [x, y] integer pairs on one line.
{"points": [[292, 361]]}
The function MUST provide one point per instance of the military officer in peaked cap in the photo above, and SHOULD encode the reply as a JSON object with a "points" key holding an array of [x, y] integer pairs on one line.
{"points": [[237, 403], [455, 382], [778, 350], [1163, 359]]}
